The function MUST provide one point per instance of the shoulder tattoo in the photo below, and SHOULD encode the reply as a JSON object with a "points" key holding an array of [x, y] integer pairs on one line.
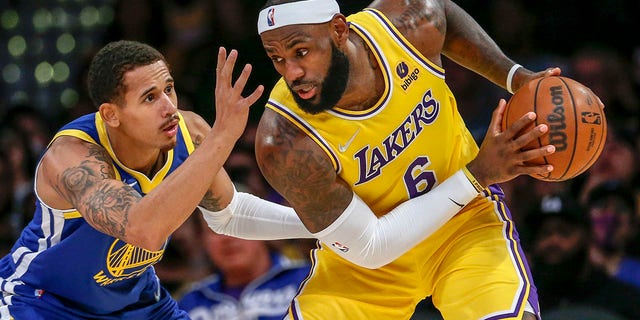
{"points": [[418, 13]]}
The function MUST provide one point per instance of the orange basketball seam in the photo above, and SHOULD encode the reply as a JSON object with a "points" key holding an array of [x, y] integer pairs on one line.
{"points": [[575, 128]]}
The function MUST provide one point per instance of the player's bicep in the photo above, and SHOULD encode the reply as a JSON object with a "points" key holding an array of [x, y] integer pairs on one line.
{"points": [[301, 172], [82, 175]]}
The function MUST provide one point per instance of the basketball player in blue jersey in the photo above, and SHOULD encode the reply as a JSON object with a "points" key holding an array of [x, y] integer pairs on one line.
{"points": [[112, 187], [363, 138]]}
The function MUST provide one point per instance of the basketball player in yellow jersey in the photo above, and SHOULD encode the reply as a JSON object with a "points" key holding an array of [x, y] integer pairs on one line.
{"points": [[363, 122]]}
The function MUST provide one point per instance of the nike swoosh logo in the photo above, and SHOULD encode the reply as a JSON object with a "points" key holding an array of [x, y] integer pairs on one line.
{"points": [[344, 147], [457, 203], [132, 184]]}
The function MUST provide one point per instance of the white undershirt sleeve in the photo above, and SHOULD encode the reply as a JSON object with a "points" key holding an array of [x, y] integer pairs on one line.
{"points": [[358, 235], [253, 218]]}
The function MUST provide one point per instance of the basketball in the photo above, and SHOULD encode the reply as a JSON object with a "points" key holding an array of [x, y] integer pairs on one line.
{"points": [[576, 120]]}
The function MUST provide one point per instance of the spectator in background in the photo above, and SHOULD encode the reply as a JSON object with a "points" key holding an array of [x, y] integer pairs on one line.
{"points": [[184, 260], [7, 234], [24, 136], [252, 282], [608, 75], [139, 20], [560, 264], [614, 224], [618, 161]]}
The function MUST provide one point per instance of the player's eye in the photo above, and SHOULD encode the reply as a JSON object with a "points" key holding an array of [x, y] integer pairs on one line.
{"points": [[168, 89], [302, 52]]}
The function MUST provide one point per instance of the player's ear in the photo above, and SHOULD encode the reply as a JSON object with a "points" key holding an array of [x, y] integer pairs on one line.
{"points": [[108, 112], [340, 28]]}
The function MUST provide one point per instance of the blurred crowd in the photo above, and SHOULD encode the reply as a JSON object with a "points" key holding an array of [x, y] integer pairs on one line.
{"points": [[582, 235]]}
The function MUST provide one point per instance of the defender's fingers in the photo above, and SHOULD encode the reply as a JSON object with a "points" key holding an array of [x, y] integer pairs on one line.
{"points": [[222, 55], [243, 78], [255, 95], [226, 72]]}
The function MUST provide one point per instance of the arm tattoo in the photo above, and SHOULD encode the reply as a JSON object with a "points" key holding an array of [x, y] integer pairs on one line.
{"points": [[87, 186], [304, 177], [108, 208], [419, 12], [210, 202], [196, 142]]}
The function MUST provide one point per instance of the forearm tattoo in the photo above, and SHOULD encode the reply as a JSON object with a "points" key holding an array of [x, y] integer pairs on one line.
{"points": [[210, 202], [89, 188]]}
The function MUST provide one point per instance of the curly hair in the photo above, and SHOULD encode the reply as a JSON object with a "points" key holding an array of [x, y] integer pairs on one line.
{"points": [[106, 72]]}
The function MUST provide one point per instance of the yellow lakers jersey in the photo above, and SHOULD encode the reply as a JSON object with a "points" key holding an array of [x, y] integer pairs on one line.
{"points": [[412, 139], [409, 141]]}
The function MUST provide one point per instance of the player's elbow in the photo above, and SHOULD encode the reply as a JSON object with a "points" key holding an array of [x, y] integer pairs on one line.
{"points": [[142, 238]]}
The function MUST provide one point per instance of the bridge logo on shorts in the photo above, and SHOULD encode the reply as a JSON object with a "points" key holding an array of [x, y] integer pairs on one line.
{"points": [[407, 77], [271, 21], [125, 261]]}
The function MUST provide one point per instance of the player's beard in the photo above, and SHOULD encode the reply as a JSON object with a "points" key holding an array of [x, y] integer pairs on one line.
{"points": [[333, 85]]}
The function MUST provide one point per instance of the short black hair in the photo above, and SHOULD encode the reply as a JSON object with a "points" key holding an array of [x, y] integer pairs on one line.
{"points": [[107, 69]]}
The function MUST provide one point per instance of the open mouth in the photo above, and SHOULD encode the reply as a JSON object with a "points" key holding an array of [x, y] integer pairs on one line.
{"points": [[306, 91], [171, 128]]}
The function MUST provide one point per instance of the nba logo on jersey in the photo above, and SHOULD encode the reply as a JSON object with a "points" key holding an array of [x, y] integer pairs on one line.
{"points": [[270, 17]]}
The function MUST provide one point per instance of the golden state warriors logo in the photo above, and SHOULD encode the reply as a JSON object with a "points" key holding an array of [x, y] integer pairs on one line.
{"points": [[407, 78], [125, 261]]}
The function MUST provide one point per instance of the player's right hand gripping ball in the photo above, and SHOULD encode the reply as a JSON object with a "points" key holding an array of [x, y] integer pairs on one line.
{"points": [[576, 120]]}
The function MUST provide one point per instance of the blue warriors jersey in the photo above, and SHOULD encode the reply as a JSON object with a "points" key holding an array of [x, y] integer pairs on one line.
{"points": [[408, 142], [64, 267]]}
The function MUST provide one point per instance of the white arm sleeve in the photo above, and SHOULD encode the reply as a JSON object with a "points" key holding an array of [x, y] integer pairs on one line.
{"points": [[357, 235], [253, 218], [371, 242]]}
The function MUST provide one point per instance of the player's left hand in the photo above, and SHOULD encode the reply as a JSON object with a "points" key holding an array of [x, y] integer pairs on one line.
{"points": [[522, 78]]}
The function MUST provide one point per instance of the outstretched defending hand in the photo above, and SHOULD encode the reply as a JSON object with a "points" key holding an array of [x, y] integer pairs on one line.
{"points": [[232, 109], [500, 157]]}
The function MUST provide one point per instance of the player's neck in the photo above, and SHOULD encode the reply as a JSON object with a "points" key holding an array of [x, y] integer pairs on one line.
{"points": [[364, 74], [144, 160]]}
